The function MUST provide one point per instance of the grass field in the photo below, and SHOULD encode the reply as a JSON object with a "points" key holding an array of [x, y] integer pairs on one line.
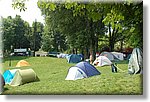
{"points": [[52, 73]]}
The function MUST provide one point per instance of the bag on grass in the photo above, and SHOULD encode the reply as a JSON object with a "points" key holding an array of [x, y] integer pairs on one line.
{"points": [[114, 68]]}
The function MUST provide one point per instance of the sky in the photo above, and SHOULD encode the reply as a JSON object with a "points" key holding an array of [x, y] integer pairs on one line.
{"points": [[32, 12]]}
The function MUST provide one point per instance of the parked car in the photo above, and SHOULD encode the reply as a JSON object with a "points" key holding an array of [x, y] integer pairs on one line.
{"points": [[53, 54]]}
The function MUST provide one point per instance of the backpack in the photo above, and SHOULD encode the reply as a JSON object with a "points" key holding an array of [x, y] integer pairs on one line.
{"points": [[114, 68]]}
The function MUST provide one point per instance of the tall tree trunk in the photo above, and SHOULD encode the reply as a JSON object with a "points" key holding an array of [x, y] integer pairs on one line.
{"points": [[76, 51], [92, 44], [110, 37], [85, 53], [35, 31], [96, 43], [111, 46], [90, 31], [73, 51], [121, 45]]}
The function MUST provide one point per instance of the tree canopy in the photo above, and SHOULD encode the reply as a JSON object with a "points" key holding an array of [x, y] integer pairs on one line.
{"points": [[17, 33], [86, 26]]}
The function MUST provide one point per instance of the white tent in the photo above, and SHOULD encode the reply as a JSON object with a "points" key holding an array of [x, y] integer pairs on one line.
{"points": [[109, 55], [102, 61], [118, 55], [75, 73]]}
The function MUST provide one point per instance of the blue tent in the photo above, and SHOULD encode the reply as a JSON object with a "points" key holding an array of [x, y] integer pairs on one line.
{"points": [[89, 69], [82, 56], [9, 75], [73, 58], [82, 70]]}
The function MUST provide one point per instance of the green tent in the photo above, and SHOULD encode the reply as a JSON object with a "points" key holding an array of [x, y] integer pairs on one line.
{"points": [[24, 76]]}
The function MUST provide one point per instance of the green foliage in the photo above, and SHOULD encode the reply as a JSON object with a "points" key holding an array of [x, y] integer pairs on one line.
{"points": [[19, 4], [120, 19], [37, 31], [18, 34], [67, 19], [53, 71], [14, 33], [51, 6], [114, 18]]}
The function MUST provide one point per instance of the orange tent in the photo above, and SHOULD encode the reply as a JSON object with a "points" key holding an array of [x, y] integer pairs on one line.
{"points": [[22, 63]]}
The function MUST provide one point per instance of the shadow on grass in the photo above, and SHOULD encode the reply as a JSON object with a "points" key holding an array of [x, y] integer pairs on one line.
{"points": [[121, 62], [15, 58]]}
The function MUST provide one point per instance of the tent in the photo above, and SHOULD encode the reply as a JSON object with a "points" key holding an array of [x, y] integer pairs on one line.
{"points": [[62, 55], [9, 75], [22, 63], [18, 77], [118, 55], [73, 58], [82, 56], [81, 70], [135, 65], [109, 55], [102, 61]]}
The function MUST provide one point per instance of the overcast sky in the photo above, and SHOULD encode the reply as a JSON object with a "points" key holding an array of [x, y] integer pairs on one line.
{"points": [[32, 12]]}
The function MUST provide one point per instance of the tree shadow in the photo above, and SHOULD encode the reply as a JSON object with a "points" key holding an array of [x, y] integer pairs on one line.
{"points": [[14, 58], [121, 62]]}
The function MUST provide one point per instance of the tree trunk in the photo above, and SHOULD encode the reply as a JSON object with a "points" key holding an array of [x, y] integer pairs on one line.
{"points": [[86, 53], [35, 31], [111, 45], [96, 43], [73, 51], [76, 51], [121, 45], [92, 44]]}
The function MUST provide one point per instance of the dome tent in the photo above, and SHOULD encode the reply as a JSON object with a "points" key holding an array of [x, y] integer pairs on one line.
{"points": [[22, 63], [109, 55], [81, 70], [102, 61], [118, 55], [73, 58], [113, 55]]}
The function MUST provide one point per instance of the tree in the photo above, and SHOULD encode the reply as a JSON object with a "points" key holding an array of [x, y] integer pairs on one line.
{"points": [[20, 39], [8, 33], [36, 38], [68, 19], [134, 20], [14, 33], [113, 22]]}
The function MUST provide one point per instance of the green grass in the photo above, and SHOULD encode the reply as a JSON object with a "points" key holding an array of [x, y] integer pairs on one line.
{"points": [[52, 73]]}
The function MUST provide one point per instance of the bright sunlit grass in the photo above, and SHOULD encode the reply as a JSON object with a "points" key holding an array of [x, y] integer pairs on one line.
{"points": [[52, 73]]}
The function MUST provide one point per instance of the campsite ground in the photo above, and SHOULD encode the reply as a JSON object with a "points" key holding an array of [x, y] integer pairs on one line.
{"points": [[52, 73]]}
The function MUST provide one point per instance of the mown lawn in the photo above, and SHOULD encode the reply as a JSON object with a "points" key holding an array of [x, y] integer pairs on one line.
{"points": [[52, 73]]}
